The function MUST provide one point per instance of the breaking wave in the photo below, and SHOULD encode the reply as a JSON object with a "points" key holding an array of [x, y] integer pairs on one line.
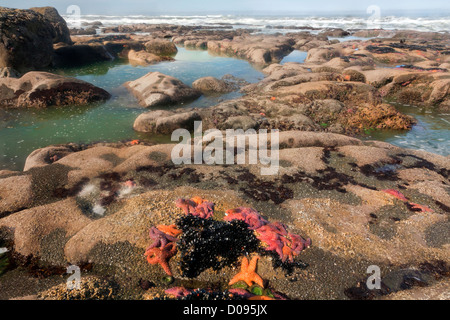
{"points": [[437, 24]]}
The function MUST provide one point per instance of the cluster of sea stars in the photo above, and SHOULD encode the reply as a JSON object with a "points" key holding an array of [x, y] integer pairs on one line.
{"points": [[196, 206], [274, 235], [163, 247], [247, 274], [411, 205]]}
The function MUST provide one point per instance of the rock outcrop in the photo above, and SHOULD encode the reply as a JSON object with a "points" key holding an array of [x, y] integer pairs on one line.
{"points": [[144, 58], [165, 122], [256, 49], [59, 24], [26, 40], [156, 89], [161, 47], [361, 203], [212, 85], [42, 89]]}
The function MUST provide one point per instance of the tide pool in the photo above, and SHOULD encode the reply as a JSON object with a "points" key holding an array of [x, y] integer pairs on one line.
{"points": [[24, 130]]}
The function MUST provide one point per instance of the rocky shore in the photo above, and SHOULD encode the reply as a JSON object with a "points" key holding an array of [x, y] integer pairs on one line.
{"points": [[361, 203]]}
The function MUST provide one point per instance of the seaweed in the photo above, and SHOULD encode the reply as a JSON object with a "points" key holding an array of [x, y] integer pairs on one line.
{"points": [[442, 206], [386, 171], [287, 266], [380, 50], [260, 190]]}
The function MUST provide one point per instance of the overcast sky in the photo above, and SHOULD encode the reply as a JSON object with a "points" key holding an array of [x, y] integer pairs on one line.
{"points": [[148, 7]]}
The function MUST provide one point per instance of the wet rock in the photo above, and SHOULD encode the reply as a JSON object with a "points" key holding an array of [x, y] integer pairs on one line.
{"points": [[436, 291], [59, 24], [44, 156], [353, 75], [16, 193], [239, 122], [322, 54], [42, 89], [62, 216], [91, 288], [405, 279], [144, 58], [338, 33], [347, 92], [212, 85], [83, 32], [156, 89], [161, 47], [297, 139], [165, 122], [421, 88], [381, 77], [27, 40], [256, 49]]}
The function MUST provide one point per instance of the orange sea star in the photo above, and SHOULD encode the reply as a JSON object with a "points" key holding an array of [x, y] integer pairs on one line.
{"points": [[171, 230], [162, 256], [248, 273]]}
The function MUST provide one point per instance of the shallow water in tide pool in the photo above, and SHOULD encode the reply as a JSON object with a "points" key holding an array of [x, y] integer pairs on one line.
{"points": [[430, 133], [22, 131]]}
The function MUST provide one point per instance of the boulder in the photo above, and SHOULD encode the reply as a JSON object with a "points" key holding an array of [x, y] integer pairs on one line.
{"points": [[382, 76], [337, 33], [239, 122], [44, 156], [322, 54], [15, 194], [161, 47], [26, 40], [212, 85], [144, 58], [165, 122], [155, 89], [43, 231], [256, 49], [60, 25], [42, 89]]}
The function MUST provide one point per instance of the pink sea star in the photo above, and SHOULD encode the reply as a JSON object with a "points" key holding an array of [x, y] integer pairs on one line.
{"points": [[249, 215], [196, 207], [178, 292], [396, 194], [160, 239]]}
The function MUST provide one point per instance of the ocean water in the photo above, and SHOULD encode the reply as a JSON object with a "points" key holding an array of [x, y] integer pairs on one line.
{"points": [[288, 23]]}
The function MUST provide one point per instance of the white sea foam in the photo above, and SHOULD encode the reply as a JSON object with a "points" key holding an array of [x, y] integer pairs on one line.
{"points": [[87, 191], [99, 210], [268, 22]]}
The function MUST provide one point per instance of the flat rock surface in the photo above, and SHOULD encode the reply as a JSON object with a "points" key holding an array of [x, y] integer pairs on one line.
{"points": [[325, 189]]}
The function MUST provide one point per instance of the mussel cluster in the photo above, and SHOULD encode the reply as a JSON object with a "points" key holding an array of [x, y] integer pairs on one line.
{"points": [[207, 243]]}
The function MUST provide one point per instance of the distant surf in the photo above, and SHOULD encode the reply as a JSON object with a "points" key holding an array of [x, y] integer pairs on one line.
{"points": [[268, 23]]}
